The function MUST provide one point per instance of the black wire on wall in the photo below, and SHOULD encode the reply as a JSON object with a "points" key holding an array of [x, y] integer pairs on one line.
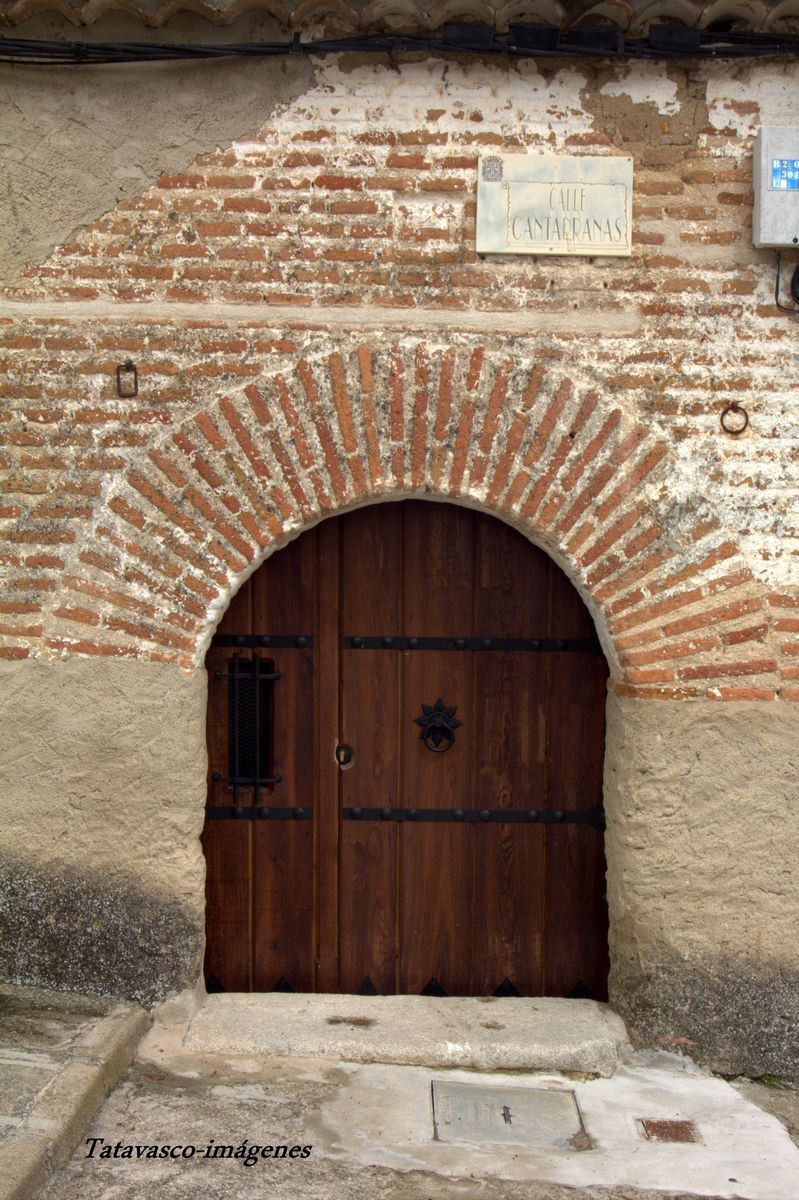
{"points": [[664, 42]]}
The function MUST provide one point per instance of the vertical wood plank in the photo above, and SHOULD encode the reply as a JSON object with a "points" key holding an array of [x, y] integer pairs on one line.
{"points": [[326, 786], [436, 859], [577, 927], [284, 602], [226, 844], [371, 563], [326, 905], [511, 579]]}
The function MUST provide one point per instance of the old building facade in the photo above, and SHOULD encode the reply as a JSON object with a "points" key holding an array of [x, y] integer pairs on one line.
{"points": [[285, 251]]}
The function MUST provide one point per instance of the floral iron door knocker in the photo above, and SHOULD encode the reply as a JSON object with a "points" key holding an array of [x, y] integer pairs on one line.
{"points": [[438, 726]]}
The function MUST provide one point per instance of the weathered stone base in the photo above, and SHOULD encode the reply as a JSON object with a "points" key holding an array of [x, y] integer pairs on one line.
{"points": [[74, 931], [486, 1033], [737, 1016], [61, 1055]]}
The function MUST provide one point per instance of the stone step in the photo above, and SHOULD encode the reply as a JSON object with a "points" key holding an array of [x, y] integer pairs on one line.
{"points": [[485, 1034]]}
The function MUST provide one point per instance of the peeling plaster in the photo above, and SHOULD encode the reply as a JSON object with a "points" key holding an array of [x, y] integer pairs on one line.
{"points": [[516, 98], [770, 98], [648, 84]]}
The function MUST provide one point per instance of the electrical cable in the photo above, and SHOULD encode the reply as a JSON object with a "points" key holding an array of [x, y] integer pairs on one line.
{"points": [[794, 286], [522, 41]]}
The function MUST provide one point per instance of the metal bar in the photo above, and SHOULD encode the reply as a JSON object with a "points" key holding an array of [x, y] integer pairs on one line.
{"points": [[247, 781], [541, 645], [482, 816], [261, 813], [280, 641], [238, 675]]}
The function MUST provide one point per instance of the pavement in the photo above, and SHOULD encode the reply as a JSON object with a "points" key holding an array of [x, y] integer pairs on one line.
{"points": [[60, 1056], [185, 1120]]}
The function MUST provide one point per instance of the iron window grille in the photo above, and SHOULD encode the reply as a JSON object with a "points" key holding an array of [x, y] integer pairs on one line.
{"points": [[250, 725]]}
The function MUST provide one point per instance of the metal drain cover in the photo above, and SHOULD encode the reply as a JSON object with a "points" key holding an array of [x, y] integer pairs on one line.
{"points": [[667, 1131], [540, 1117]]}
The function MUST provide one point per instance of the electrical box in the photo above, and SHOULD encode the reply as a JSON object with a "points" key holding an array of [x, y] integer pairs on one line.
{"points": [[776, 183]]}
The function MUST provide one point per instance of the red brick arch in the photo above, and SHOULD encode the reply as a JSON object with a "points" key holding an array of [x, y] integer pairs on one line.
{"points": [[360, 421]]}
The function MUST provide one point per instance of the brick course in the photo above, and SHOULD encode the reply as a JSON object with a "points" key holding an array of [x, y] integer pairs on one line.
{"points": [[577, 399]]}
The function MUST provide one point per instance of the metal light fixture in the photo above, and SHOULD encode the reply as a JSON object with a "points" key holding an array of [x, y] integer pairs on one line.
{"points": [[127, 380]]}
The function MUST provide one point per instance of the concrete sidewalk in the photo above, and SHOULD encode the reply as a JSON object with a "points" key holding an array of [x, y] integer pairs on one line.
{"points": [[371, 1132], [184, 1121], [60, 1055]]}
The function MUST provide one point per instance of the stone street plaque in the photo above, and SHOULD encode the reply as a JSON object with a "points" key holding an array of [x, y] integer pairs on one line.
{"points": [[554, 204], [540, 1117]]}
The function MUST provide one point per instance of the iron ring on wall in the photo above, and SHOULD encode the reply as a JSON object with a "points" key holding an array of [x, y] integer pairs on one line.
{"points": [[731, 426]]}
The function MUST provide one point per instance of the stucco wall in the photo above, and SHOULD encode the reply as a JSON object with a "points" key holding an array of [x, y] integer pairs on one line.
{"points": [[703, 875], [352, 209], [74, 143], [101, 804]]}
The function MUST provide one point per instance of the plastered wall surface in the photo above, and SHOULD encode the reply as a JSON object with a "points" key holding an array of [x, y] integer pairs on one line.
{"points": [[313, 331], [102, 859], [101, 805], [703, 846], [73, 143]]}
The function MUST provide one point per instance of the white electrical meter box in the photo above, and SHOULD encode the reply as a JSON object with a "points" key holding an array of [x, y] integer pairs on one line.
{"points": [[776, 183]]}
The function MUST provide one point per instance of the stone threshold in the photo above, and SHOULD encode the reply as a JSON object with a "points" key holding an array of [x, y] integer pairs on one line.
{"points": [[483, 1034]]}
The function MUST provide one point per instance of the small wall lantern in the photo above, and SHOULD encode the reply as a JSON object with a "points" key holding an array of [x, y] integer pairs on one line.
{"points": [[127, 380]]}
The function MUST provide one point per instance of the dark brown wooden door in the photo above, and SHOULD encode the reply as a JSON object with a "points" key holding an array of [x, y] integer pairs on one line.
{"points": [[373, 857]]}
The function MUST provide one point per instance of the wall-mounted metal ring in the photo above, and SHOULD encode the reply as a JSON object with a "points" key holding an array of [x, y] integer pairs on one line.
{"points": [[734, 419]]}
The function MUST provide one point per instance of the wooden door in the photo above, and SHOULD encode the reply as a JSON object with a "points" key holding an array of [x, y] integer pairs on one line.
{"points": [[419, 693]]}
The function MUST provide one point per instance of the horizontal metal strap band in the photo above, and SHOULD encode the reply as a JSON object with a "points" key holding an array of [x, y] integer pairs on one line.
{"points": [[475, 816], [248, 676], [529, 645], [246, 781], [257, 813], [279, 641]]}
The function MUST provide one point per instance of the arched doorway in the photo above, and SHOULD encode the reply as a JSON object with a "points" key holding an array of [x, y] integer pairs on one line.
{"points": [[406, 736]]}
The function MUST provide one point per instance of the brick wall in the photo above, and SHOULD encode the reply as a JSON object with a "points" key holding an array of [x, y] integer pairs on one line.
{"points": [[312, 329]]}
